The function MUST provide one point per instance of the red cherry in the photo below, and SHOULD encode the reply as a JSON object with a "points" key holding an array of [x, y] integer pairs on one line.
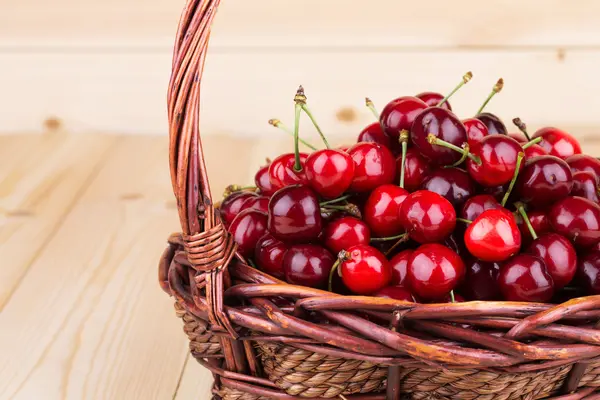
{"points": [[232, 205], [493, 236], [263, 181], [494, 124], [375, 166], [427, 217], [498, 155], [539, 222], [399, 264], [588, 272], [282, 172], [269, 254], [525, 278], [558, 255], [481, 281], [452, 183], [416, 169], [583, 162], [476, 131], [308, 265], [585, 185], [519, 137], [382, 210], [346, 232], [246, 229], [433, 271], [557, 142], [295, 214], [476, 205], [544, 180], [578, 219], [260, 203], [395, 293], [374, 134], [399, 115], [365, 270], [432, 99], [535, 150], [329, 172]]}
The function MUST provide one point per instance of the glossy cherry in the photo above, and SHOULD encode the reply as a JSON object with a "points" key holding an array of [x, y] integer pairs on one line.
{"points": [[246, 229], [476, 131], [481, 281], [585, 185], [493, 236], [329, 172], [382, 210], [557, 142], [432, 99], [519, 137], [231, 206], [452, 183], [308, 265], [262, 181], [427, 217], [433, 271], [395, 293], [493, 123], [282, 172], [260, 203], [535, 150], [269, 255], [416, 169], [525, 278], [374, 134], [583, 162], [558, 255], [476, 205], [365, 270], [346, 232], [399, 115], [399, 264], [578, 219], [539, 222], [498, 155], [295, 214], [588, 273], [374, 166], [544, 180]]}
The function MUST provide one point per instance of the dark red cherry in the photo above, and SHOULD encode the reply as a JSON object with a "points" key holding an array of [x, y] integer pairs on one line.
{"points": [[525, 278], [232, 205], [416, 169], [382, 210], [583, 162], [535, 150], [539, 222], [282, 172], [246, 229], [432, 99], [444, 125], [346, 232], [588, 272], [365, 270], [269, 256], [374, 134], [452, 183], [329, 172], [544, 180], [498, 155], [395, 293], [493, 236], [427, 217], [399, 114], [558, 255], [494, 124], [476, 205], [585, 185], [578, 219], [433, 271], [481, 281], [308, 265], [375, 166], [476, 131], [557, 142], [399, 264], [456, 243], [295, 214], [260, 203], [263, 181]]}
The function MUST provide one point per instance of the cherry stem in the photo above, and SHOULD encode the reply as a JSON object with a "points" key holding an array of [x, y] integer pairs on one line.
{"points": [[351, 209], [371, 107], [338, 200], [403, 238], [514, 179], [522, 127], [531, 143], [252, 263], [342, 256], [452, 298], [278, 124], [237, 188], [431, 138], [404, 141], [298, 110], [464, 220], [389, 238], [497, 89], [467, 150], [300, 100], [521, 208], [465, 79]]}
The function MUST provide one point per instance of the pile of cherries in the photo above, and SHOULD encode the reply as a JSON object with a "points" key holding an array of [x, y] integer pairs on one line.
{"points": [[427, 207]]}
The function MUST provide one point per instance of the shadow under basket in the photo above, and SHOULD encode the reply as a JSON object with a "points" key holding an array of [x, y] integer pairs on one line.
{"points": [[265, 339]]}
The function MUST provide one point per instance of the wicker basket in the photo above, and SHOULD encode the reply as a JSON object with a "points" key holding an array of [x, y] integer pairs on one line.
{"points": [[317, 344]]}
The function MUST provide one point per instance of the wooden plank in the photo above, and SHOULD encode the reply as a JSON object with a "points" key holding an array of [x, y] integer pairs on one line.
{"points": [[41, 177], [196, 382]]}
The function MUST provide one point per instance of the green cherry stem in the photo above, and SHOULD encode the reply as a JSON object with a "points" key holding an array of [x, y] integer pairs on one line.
{"points": [[464, 220], [521, 208], [465, 79], [278, 124], [452, 298], [298, 109], [351, 209], [497, 89], [371, 107], [342, 256], [514, 179], [390, 238], [466, 153], [301, 100], [432, 139], [531, 143], [338, 200], [522, 127], [402, 239], [404, 134]]}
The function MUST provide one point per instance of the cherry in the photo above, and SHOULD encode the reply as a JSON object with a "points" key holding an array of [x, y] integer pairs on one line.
{"points": [[476, 205], [232, 205], [493, 236], [585, 185], [557, 142], [329, 172], [374, 134], [399, 264], [308, 265], [578, 219], [269, 255], [433, 271], [476, 131], [588, 273], [452, 183], [432, 99], [375, 166], [416, 169], [346, 232], [427, 216], [382, 210], [498, 156], [399, 115], [295, 214], [525, 278], [539, 222], [583, 162], [246, 229], [535, 150], [260, 203], [558, 255], [595, 247], [481, 281], [282, 171], [494, 124], [544, 180], [519, 137], [456, 243], [263, 181], [364, 269], [395, 293]]}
